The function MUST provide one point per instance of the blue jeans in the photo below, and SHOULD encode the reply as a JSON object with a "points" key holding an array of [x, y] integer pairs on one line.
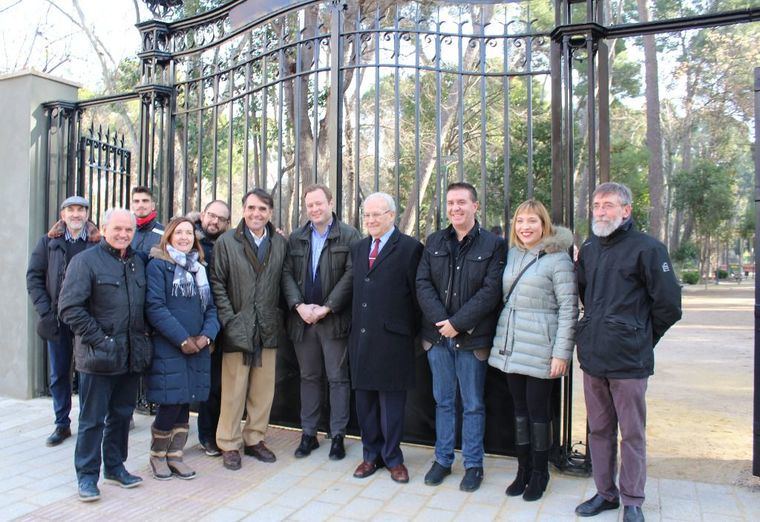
{"points": [[450, 366], [60, 353], [106, 403]]}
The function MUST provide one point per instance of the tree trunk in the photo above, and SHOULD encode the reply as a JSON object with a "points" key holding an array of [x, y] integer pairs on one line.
{"points": [[654, 131]]}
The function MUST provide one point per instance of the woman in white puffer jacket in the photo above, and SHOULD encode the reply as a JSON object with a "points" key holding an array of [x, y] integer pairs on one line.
{"points": [[535, 335]]}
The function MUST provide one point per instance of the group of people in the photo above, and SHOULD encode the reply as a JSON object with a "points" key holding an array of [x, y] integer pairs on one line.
{"points": [[199, 310]]}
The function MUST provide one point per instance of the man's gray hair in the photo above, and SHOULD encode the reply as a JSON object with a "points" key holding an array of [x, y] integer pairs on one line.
{"points": [[115, 210], [389, 201], [621, 191]]}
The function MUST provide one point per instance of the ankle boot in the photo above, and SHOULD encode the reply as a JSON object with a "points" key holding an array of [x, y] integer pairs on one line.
{"points": [[175, 453], [522, 445], [539, 477], [159, 445]]}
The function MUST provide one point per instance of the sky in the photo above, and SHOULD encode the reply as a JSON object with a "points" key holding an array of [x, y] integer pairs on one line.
{"points": [[35, 33]]}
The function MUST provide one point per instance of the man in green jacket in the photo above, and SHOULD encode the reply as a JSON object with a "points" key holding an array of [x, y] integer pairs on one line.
{"points": [[316, 283], [245, 279]]}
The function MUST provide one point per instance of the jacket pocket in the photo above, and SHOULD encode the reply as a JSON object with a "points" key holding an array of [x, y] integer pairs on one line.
{"points": [[476, 268], [108, 356], [47, 327], [237, 335], [624, 344], [338, 257], [142, 351], [398, 327]]}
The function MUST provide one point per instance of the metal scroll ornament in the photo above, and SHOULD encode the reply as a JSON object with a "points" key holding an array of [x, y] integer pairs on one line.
{"points": [[163, 8]]}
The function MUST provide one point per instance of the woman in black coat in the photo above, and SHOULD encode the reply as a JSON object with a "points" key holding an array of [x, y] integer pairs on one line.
{"points": [[181, 309]]}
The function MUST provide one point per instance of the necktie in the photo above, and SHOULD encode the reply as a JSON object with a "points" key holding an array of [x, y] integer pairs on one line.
{"points": [[373, 254]]}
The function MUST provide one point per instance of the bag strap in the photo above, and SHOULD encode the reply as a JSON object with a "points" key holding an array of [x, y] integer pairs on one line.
{"points": [[514, 283]]}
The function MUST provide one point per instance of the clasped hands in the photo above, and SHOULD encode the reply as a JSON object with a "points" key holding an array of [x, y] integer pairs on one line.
{"points": [[312, 313], [194, 344]]}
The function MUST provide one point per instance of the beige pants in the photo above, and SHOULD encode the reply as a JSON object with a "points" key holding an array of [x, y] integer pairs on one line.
{"points": [[246, 388]]}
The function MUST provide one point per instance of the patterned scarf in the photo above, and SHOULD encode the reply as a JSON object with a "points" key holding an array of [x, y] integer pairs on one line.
{"points": [[184, 284]]}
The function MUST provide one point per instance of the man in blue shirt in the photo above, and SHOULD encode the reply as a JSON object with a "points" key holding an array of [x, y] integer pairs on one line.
{"points": [[317, 287]]}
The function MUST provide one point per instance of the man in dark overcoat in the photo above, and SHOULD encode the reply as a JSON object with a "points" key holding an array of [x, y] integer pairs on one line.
{"points": [[382, 340]]}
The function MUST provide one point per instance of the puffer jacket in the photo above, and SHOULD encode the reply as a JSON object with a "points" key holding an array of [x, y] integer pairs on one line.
{"points": [[538, 321], [247, 292], [175, 377], [103, 302]]}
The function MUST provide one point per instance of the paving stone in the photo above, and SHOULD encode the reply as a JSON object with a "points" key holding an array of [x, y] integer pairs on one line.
{"points": [[434, 515], [315, 511], [360, 508]]}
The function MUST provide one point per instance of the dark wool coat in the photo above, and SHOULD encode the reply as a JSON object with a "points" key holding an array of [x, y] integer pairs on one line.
{"points": [[174, 377], [44, 276], [631, 297], [103, 302], [386, 317], [335, 277]]}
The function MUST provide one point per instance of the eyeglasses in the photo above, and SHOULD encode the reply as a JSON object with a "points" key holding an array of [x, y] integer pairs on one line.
{"points": [[220, 219], [374, 215], [605, 206]]}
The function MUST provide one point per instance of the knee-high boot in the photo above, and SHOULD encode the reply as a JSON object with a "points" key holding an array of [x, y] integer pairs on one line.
{"points": [[524, 466], [539, 477], [159, 445], [175, 453]]}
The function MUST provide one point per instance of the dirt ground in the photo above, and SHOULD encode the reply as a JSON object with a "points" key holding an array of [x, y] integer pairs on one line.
{"points": [[699, 417]]}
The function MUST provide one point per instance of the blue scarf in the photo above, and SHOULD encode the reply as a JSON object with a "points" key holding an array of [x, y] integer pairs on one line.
{"points": [[184, 283]]}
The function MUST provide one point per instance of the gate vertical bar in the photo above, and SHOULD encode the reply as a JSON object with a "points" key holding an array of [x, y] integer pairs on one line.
{"points": [[336, 103], [756, 420]]}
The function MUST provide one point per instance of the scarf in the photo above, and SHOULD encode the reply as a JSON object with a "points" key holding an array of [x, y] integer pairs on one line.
{"points": [[184, 284], [147, 219]]}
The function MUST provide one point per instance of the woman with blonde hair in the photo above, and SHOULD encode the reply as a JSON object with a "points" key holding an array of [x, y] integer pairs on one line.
{"points": [[180, 307], [535, 336]]}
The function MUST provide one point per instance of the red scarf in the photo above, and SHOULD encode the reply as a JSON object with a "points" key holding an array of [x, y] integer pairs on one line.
{"points": [[147, 219]]}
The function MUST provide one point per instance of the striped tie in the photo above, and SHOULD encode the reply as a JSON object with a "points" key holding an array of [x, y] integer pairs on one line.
{"points": [[373, 254]]}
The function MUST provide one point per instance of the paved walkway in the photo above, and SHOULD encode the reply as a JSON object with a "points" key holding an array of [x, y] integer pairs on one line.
{"points": [[38, 483]]}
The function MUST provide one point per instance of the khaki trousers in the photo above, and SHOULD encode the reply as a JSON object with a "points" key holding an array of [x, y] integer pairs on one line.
{"points": [[249, 389]]}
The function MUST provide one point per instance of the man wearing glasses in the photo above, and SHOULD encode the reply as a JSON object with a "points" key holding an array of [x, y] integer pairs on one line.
{"points": [[215, 219], [385, 320]]}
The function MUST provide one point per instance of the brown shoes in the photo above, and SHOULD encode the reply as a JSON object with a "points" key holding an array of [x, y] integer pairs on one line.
{"points": [[260, 452], [399, 474], [231, 459], [365, 469]]}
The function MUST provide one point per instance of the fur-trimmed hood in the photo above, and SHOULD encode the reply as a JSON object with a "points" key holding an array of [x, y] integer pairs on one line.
{"points": [[59, 229], [560, 241]]}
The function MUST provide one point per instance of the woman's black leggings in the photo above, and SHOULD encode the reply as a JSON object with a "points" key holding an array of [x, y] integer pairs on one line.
{"points": [[169, 415], [531, 396]]}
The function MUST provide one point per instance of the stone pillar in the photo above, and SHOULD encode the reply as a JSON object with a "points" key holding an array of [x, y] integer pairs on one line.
{"points": [[23, 188]]}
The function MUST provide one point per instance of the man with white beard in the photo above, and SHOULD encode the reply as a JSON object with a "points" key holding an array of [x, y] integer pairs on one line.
{"points": [[631, 297]]}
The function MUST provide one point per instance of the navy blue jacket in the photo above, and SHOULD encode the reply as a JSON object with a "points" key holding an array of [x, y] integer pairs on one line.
{"points": [[176, 378]]}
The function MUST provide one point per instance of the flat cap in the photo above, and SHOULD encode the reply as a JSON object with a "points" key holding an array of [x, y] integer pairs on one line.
{"points": [[75, 200]]}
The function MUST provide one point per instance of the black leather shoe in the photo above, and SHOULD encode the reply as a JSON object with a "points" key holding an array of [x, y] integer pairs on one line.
{"points": [[308, 444], [595, 505], [260, 452], [60, 434], [436, 474], [472, 479], [337, 449], [632, 514]]}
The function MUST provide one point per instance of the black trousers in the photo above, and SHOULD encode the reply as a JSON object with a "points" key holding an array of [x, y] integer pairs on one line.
{"points": [[381, 420], [170, 415], [531, 396], [208, 411]]}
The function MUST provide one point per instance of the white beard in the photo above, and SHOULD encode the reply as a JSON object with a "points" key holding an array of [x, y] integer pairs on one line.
{"points": [[605, 228]]}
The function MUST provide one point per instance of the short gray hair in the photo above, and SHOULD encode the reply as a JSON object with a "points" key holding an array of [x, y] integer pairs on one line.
{"points": [[621, 191], [115, 210], [389, 201]]}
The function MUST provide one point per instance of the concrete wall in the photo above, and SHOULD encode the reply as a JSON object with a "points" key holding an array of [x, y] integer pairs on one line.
{"points": [[22, 190]]}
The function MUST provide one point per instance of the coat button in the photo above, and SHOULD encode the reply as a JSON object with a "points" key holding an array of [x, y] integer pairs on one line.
{"points": [[362, 330], [364, 305], [366, 279]]}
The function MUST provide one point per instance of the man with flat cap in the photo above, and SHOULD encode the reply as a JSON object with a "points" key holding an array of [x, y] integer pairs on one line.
{"points": [[71, 234]]}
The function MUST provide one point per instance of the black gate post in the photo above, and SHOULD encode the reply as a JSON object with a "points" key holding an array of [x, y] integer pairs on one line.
{"points": [[756, 421]]}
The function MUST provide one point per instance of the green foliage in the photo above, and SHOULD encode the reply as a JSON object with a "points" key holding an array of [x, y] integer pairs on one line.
{"points": [[722, 274], [707, 194], [690, 277], [686, 254]]}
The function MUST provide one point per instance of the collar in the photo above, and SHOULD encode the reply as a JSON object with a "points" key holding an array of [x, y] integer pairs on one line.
{"points": [[327, 230], [470, 236], [71, 239], [117, 253], [144, 222], [625, 227], [258, 238]]}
